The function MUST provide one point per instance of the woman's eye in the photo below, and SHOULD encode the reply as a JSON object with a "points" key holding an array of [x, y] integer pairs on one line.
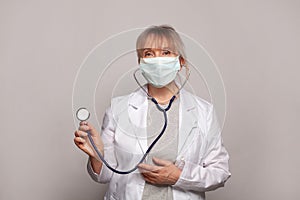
{"points": [[166, 53], [147, 54]]}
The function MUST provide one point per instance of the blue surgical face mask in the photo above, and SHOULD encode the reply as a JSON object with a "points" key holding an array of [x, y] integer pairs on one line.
{"points": [[160, 71]]}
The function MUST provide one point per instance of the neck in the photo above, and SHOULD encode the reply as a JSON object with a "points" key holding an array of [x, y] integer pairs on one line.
{"points": [[164, 94]]}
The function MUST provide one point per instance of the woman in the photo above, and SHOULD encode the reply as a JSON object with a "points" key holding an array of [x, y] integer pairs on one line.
{"points": [[187, 161]]}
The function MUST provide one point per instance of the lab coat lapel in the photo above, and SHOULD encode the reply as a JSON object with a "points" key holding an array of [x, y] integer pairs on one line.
{"points": [[137, 111], [187, 119]]}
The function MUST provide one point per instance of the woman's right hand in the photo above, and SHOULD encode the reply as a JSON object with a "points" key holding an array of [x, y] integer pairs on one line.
{"points": [[82, 142]]}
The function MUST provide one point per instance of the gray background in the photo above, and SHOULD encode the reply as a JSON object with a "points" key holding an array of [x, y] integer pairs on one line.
{"points": [[42, 43]]}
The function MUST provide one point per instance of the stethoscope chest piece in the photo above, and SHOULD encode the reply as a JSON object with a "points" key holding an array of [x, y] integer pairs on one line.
{"points": [[82, 114]]}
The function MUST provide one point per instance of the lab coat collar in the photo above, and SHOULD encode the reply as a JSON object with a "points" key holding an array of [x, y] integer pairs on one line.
{"points": [[139, 97], [187, 115]]}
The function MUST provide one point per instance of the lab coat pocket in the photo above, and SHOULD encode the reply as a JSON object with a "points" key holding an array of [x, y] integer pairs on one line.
{"points": [[111, 196], [114, 196]]}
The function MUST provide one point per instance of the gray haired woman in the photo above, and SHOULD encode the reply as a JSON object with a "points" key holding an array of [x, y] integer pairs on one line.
{"points": [[188, 160]]}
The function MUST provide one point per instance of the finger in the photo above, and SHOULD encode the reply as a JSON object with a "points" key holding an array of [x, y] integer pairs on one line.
{"points": [[147, 167], [86, 123], [151, 175], [146, 171], [83, 123], [79, 140], [142, 170], [161, 162], [81, 144], [145, 177], [80, 133], [149, 179], [88, 127], [84, 128]]}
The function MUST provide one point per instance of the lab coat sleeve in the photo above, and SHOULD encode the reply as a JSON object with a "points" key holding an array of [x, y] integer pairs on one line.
{"points": [[210, 171], [107, 135]]}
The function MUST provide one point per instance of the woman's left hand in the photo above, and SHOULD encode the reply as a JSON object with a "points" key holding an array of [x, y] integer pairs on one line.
{"points": [[163, 173]]}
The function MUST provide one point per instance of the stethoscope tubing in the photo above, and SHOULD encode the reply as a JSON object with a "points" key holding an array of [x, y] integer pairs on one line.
{"points": [[164, 111]]}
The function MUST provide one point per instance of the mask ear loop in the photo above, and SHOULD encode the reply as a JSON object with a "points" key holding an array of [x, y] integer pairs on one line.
{"points": [[149, 96], [185, 81]]}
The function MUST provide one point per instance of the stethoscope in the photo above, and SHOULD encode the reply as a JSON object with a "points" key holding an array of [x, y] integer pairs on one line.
{"points": [[83, 114]]}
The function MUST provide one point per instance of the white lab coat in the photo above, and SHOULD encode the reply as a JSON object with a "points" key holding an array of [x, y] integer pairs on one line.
{"points": [[201, 154]]}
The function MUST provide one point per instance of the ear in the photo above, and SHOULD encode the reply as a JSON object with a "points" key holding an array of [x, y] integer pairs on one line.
{"points": [[182, 61]]}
